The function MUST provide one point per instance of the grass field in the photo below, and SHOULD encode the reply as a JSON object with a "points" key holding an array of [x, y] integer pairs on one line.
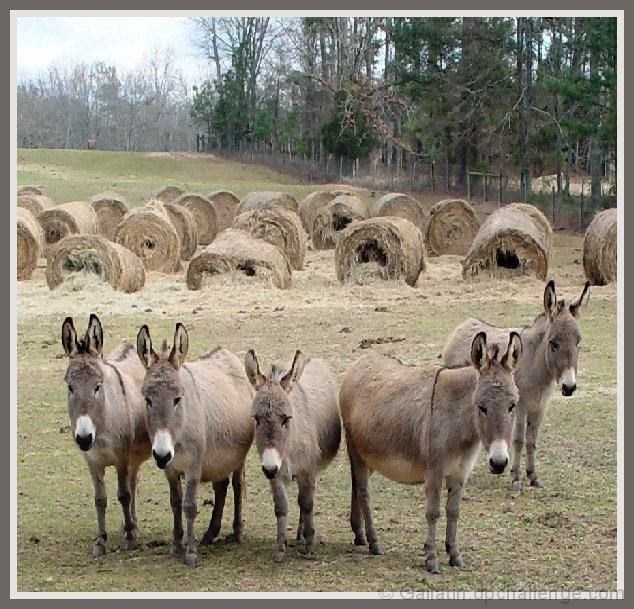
{"points": [[560, 537]]}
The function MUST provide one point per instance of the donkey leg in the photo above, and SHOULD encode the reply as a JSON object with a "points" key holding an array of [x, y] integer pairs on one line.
{"points": [[190, 509], [176, 502], [280, 501], [452, 510], [239, 485], [519, 431], [305, 498], [363, 494], [124, 495], [300, 527], [101, 501], [220, 496], [356, 516], [433, 486], [134, 483], [532, 429]]}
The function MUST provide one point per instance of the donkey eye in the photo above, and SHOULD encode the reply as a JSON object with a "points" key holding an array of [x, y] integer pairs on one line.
{"points": [[257, 420], [285, 421], [554, 345], [511, 407], [97, 389], [483, 409], [148, 403], [70, 389], [177, 402]]}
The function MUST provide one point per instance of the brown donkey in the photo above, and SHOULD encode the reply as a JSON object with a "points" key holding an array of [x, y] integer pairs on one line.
{"points": [[297, 434], [107, 420], [416, 424], [551, 351], [198, 416]]}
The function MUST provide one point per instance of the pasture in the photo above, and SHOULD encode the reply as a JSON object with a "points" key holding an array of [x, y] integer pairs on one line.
{"points": [[560, 537]]}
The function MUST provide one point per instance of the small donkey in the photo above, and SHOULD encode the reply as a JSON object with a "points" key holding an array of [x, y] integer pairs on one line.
{"points": [[107, 420], [297, 434], [416, 424], [198, 416]]}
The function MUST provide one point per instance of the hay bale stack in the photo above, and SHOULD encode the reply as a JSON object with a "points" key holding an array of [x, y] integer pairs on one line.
{"points": [[401, 206], [260, 200], [36, 204], [167, 194], [380, 248], [237, 252], [225, 203], [509, 242], [75, 217], [538, 217], [29, 190], [184, 222], [334, 217], [30, 243], [204, 215], [149, 233], [279, 227], [599, 248], [95, 255], [110, 208], [451, 228]]}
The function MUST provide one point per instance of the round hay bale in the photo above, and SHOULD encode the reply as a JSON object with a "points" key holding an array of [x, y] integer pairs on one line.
{"points": [[380, 248], [149, 233], [311, 205], [538, 217], [509, 242], [599, 248], [279, 227], [94, 255], [185, 224], [236, 252], [29, 190], [259, 200], [401, 206], [110, 208], [30, 243], [334, 217], [451, 228], [36, 204], [167, 194], [204, 215], [75, 217], [225, 203]]}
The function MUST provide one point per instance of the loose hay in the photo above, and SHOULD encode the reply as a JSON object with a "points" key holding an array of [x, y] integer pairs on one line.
{"points": [[225, 203], [259, 200], [334, 217], [538, 217], [110, 208], [388, 248], [184, 222], [204, 215], [167, 194], [81, 255], [149, 233], [508, 243], [36, 204], [401, 206], [235, 252], [279, 227], [29, 190], [599, 248], [451, 228], [30, 243], [75, 217]]}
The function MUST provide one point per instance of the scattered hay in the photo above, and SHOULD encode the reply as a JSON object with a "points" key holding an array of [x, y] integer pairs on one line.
{"points": [[110, 208], [508, 243], [29, 190], [36, 204], [451, 228], [599, 248], [334, 217], [279, 227], [149, 233], [167, 194], [388, 248], [204, 215], [75, 217], [83, 255], [225, 203], [401, 206], [30, 243], [538, 217], [235, 252], [184, 222], [259, 200]]}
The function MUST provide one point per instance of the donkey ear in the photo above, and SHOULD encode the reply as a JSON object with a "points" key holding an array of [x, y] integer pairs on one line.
{"points": [[513, 352], [550, 299], [479, 355], [290, 378], [94, 336], [575, 306], [181, 346], [252, 368], [69, 338], [144, 347]]}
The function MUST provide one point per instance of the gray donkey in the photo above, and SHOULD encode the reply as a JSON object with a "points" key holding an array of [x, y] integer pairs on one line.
{"points": [[551, 351], [297, 434], [416, 424], [107, 420], [198, 416]]}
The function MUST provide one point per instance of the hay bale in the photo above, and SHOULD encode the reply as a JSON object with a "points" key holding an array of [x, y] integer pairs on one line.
{"points": [[259, 200], [75, 217], [167, 194], [383, 248], [451, 228], [313, 203], [401, 206], [30, 243], [149, 233], [236, 252], [225, 203], [599, 248], [334, 217], [538, 217], [204, 215], [509, 242], [110, 208], [29, 190], [36, 204], [279, 227], [94, 255], [185, 224]]}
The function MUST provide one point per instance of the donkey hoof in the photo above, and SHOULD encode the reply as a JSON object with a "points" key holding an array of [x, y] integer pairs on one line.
{"points": [[207, 539], [432, 566], [375, 549], [516, 486], [99, 550], [234, 538], [130, 544], [176, 549], [456, 562], [360, 541], [279, 557], [537, 483], [191, 559]]}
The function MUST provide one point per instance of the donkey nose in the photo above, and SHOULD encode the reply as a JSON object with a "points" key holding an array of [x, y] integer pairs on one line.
{"points": [[162, 460], [498, 465], [568, 390], [270, 471], [84, 442]]}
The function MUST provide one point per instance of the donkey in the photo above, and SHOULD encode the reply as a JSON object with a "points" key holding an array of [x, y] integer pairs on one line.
{"points": [[551, 346], [198, 417], [107, 420], [425, 424], [297, 434]]}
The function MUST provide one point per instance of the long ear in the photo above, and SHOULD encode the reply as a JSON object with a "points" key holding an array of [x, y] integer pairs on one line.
{"points": [[144, 347], [252, 368], [181, 346], [550, 299], [94, 336], [479, 356], [69, 338], [513, 352], [291, 377], [575, 306]]}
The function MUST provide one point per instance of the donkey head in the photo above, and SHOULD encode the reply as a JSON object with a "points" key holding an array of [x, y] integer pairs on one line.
{"points": [[562, 338], [84, 378], [495, 397], [163, 392], [272, 409]]}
